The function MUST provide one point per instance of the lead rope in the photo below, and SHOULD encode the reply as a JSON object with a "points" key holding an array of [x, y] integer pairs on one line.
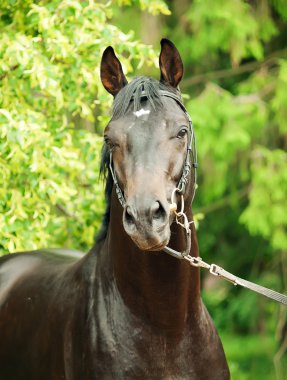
{"points": [[214, 269]]}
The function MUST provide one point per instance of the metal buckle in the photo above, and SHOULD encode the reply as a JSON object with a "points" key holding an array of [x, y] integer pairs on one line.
{"points": [[213, 269]]}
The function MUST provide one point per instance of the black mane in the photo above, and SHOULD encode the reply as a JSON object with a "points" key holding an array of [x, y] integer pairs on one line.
{"points": [[130, 96]]}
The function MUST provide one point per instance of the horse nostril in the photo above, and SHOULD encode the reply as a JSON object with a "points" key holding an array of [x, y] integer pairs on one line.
{"points": [[157, 211], [129, 217], [145, 216]]}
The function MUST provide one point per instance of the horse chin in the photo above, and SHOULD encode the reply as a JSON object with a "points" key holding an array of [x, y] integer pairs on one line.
{"points": [[159, 247], [155, 243]]}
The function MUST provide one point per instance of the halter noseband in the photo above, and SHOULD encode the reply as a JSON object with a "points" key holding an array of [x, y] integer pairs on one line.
{"points": [[191, 149]]}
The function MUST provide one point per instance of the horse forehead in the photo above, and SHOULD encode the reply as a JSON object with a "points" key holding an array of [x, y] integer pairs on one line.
{"points": [[155, 119], [146, 128], [148, 122]]}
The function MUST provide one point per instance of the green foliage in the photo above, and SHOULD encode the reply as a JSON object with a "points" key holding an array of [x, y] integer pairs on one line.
{"points": [[224, 129], [248, 356], [218, 30], [50, 193], [154, 7], [267, 200]]}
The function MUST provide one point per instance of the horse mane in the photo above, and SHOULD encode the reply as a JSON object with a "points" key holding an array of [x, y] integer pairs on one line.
{"points": [[130, 96]]}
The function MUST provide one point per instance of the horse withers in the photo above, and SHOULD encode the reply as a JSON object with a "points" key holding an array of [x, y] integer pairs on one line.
{"points": [[126, 310]]}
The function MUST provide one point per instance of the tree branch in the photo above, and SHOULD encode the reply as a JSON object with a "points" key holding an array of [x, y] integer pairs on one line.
{"points": [[223, 202], [64, 211], [2, 76], [227, 73]]}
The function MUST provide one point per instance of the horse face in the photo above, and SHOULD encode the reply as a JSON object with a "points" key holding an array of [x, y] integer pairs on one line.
{"points": [[148, 152], [148, 148]]}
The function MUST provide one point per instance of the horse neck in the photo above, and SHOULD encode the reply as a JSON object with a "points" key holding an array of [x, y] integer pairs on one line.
{"points": [[154, 286]]}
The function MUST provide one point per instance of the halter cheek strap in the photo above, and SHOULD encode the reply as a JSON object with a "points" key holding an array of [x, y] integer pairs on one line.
{"points": [[119, 192], [191, 148]]}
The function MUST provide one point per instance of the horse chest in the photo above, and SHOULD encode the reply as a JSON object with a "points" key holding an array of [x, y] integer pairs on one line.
{"points": [[124, 347], [142, 356], [137, 354]]}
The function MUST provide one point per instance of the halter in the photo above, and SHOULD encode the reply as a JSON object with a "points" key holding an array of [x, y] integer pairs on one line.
{"points": [[191, 148], [180, 216]]}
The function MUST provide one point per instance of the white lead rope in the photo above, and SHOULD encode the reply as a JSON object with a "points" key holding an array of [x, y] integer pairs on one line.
{"points": [[222, 273], [214, 269]]}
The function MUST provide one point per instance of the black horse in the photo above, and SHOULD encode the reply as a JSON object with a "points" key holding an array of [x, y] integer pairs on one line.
{"points": [[126, 310]]}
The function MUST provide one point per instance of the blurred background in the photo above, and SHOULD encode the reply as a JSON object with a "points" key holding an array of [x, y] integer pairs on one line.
{"points": [[53, 110]]}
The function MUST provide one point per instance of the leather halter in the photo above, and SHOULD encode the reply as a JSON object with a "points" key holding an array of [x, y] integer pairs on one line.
{"points": [[191, 148]]}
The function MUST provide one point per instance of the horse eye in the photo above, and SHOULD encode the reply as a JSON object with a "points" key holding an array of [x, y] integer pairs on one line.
{"points": [[109, 143], [106, 140], [181, 134]]}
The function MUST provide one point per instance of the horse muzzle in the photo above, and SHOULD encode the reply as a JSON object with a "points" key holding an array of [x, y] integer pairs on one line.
{"points": [[147, 223]]}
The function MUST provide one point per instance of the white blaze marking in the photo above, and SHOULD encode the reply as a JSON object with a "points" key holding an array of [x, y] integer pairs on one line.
{"points": [[141, 112]]}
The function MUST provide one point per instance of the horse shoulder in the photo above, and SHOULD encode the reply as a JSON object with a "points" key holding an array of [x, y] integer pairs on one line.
{"points": [[209, 356], [41, 299]]}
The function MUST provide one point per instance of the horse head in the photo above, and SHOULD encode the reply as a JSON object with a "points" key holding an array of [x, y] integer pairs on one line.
{"points": [[147, 145]]}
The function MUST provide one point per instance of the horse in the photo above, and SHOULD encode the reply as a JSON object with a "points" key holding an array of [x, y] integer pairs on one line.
{"points": [[126, 309]]}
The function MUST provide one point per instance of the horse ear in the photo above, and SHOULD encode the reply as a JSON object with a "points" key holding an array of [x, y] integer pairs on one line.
{"points": [[112, 75], [170, 63]]}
